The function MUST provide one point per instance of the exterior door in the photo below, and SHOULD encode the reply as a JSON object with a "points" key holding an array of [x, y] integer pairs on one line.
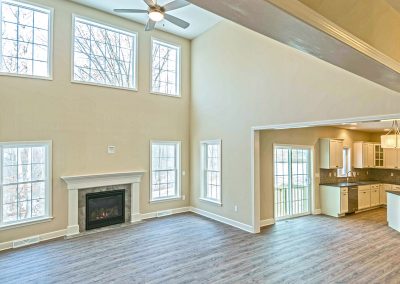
{"points": [[292, 181]]}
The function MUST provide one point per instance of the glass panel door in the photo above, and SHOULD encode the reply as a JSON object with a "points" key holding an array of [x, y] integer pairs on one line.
{"points": [[292, 181]]}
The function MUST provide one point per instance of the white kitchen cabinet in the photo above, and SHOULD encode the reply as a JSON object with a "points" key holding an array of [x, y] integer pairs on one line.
{"points": [[363, 155], [344, 200], [364, 197], [391, 158], [382, 193], [331, 153], [334, 200], [375, 194], [378, 156]]}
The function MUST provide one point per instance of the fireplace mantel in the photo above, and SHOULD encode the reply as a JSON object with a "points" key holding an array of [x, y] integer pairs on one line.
{"points": [[75, 183], [97, 180]]}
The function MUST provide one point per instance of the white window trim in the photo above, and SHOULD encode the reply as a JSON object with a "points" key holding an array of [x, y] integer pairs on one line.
{"points": [[349, 160], [50, 57], [203, 182], [178, 195], [117, 29], [49, 184], [178, 65]]}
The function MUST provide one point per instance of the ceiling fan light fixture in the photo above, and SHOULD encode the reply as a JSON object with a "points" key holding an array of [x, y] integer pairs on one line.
{"points": [[156, 16]]}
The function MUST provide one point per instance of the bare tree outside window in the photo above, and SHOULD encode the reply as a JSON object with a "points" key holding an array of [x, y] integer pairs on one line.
{"points": [[103, 55], [25, 34], [165, 72]]}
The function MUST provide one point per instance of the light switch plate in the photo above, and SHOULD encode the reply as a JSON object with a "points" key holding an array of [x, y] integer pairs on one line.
{"points": [[111, 150]]}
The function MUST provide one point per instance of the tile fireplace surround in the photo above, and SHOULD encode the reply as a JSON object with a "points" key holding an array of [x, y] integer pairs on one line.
{"points": [[84, 182]]}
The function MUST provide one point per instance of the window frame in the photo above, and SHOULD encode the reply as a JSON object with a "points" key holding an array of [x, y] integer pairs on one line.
{"points": [[178, 164], [203, 176], [343, 171], [41, 8], [108, 26], [48, 144], [178, 47]]}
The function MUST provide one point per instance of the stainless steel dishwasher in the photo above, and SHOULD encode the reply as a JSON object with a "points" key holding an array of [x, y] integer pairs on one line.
{"points": [[353, 198]]}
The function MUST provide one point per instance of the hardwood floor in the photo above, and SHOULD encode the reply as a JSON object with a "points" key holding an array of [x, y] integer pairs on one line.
{"points": [[187, 248]]}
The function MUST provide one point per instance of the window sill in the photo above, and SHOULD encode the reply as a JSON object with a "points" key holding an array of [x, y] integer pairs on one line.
{"points": [[104, 85], [165, 95], [218, 203], [26, 223], [175, 198], [46, 78]]}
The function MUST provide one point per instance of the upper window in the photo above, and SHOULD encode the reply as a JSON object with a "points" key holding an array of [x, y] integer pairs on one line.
{"points": [[165, 68], [25, 40], [24, 182], [165, 169], [211, 170], [104, 55], [344, 172]]}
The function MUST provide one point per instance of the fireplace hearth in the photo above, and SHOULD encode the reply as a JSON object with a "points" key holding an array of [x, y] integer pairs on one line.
{"points": [[105, 208]]}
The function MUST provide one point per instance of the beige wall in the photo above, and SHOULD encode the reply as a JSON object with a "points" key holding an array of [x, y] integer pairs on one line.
{"points": [[242, 79], [301, 136], [373, 21], [82, 120]]}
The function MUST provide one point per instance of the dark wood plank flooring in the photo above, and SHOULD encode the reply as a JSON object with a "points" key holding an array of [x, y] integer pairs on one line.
{"points": [[187, 248]]}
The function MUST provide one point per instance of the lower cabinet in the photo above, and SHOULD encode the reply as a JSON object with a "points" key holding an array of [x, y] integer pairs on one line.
{"points": [[382, 195], [375, 193], [334, 200], [344, 200], [364, 197]]}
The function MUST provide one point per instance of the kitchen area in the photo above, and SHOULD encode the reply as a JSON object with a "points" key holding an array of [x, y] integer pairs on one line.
{"points": [[362, 176]]}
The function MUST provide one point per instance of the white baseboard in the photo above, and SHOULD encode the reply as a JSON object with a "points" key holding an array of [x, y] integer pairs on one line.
{"points": [[317, 212], [42, 238], [163, 213], [267, 222], [222, 219]]}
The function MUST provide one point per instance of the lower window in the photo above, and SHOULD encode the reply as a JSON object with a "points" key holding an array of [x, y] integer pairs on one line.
{"points": [[211, 170], [24, 182], [165, 169]]}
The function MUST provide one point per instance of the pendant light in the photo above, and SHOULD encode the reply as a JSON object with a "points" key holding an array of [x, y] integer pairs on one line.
{"points": [[391, 139]]}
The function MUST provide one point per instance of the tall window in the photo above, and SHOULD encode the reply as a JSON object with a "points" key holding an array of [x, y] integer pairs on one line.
{"points": [[25, 39], [165, 68], [165, 170], [211, 170], [104, 55], [24, 182], [343, 172]]}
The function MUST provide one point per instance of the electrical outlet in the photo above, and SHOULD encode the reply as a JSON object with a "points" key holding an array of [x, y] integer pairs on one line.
{"points": [[111, 150], [358, 173], [183, 173], [334, 174], [367, 172], [236, 208], [183, 197], [317, 175], [391, 174], [330, 174]]}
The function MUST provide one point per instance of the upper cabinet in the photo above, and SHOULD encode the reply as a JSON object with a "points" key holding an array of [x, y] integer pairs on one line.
{"points": [[364, 155], [392, 158], [378, 156], [331, 153]]}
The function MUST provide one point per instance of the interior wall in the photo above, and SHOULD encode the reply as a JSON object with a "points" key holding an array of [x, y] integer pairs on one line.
{"points": [[83, 120], [241, 79], [374, 21], [301, 136]]}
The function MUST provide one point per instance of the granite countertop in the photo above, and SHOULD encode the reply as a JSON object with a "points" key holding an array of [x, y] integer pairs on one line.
{"points": [[394, 192], [356, 183]]}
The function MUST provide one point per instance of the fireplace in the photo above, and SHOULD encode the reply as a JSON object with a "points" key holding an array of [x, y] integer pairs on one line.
{"points": [[105, 208]]}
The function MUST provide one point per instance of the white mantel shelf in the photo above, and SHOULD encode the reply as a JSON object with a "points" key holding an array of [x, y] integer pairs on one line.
{"points": [[75, 183], [106, 179]]}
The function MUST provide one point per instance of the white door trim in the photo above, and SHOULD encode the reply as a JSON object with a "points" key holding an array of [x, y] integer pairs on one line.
{"points": [[255, 153]]}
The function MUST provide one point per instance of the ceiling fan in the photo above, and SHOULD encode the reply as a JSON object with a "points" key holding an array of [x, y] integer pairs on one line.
{"points": [[157, 13]]}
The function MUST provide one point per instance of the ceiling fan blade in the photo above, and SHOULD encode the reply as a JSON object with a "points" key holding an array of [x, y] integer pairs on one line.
{"points": [[150, 25], [175, 5], [150, 3], [176, 21], [130, 11]]}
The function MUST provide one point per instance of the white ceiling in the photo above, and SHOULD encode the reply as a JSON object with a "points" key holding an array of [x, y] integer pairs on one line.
{"points": [[372, 126], [200, 20]]}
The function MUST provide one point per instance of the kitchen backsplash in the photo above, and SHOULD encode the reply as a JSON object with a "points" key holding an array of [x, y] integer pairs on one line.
{"points": [[383, 175]]}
